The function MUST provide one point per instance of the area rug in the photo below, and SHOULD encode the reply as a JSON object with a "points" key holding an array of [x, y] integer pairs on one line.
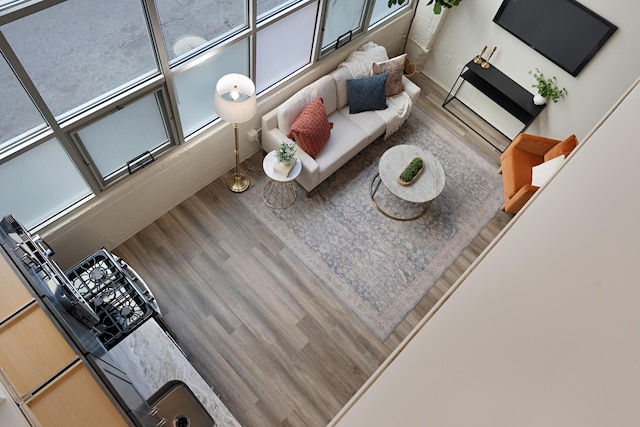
{"points": [[378, 267]]}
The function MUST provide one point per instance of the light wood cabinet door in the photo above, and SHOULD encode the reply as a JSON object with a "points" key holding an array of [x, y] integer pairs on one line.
{"points": [[32, 351], [74, 399], [13, 293]]}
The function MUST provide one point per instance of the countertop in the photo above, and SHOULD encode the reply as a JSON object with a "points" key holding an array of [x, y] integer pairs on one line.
{"points": [[151, 359]]}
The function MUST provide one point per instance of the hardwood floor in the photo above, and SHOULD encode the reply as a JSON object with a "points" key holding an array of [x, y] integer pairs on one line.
{"points": [[271, 340]]}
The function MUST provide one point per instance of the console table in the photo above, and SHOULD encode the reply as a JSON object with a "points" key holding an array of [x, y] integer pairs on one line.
{"points": [[498, 87]]}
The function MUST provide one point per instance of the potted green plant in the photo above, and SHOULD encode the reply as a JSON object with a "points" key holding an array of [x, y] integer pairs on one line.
{"points": [[286, 152], [438, 5], [547, 88]]}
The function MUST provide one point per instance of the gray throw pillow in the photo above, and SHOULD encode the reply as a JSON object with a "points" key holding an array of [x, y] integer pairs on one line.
{"points": [[367, 93]]}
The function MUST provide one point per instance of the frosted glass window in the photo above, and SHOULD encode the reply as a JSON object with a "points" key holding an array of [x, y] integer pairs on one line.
{"points": [[39, 184], [342, 16], [381, 10], [278, 53], [197, 85], [124, 135], [79, 51], [19, 114], [188, 25]]}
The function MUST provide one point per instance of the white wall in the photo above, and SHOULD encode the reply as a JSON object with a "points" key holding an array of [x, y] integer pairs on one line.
{"points": [[616, 66], [543, 328]]}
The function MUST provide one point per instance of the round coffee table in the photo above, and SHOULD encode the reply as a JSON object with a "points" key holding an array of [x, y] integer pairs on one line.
{"points": [[426, 187], [279, 193]]}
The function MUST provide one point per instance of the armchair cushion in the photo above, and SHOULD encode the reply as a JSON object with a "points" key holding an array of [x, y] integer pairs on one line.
{"points": [[565, 147], [516, 170]]}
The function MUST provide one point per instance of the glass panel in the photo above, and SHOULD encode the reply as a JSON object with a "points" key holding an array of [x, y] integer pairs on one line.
{"points": [[267, 8], [187, 25], [124, 135], [39, 184], [381, 10], [17, 112], [80, 50], [342, 16], [275, 63], [196, 86]]}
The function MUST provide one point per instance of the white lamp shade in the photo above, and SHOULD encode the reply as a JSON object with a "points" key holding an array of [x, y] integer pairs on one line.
{"points": [[235, 100]]}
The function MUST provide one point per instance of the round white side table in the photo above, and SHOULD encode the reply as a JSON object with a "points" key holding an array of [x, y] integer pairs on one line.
{"points": [[279, 193]]}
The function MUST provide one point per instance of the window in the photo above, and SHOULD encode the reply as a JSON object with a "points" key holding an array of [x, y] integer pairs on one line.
{"points": [[273, 63], [123, 142], [19, 116], [342, 16], [381, 10], [95, 90], [196, 85], [189, 25], [78, 51], [40, 183], [267, 8]]}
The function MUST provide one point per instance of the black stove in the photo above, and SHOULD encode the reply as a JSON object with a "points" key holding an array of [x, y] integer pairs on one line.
{"points": [[113, 290]]}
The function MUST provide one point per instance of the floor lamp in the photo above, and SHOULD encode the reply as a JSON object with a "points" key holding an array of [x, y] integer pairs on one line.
{"points": [[235, 102]]}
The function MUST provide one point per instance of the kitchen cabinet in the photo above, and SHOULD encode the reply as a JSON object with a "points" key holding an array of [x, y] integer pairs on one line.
{"points": [[44, 382], [13, 294], [73, 398], [32, 351]]}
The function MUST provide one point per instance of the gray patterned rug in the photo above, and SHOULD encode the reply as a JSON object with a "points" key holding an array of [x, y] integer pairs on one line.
{"points": [[378, 267]]}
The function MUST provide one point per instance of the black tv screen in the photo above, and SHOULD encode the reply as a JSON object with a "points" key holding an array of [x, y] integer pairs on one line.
{"points": [[564, 31]]}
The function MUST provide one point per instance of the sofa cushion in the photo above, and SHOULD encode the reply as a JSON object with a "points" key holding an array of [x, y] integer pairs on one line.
{"points": [[565, 147], [289, 111], [367, 93], [311, 130], [325, 88], [341, 75], [395, 68]]}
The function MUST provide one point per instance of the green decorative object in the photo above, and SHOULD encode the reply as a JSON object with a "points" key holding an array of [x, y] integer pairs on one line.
{"points": [[438, 5], [286, 152], [411, 172], [547, 87]]}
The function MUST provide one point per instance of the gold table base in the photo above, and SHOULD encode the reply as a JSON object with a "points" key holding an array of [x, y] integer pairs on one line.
{"points": [[372, 194], [279, 195]]}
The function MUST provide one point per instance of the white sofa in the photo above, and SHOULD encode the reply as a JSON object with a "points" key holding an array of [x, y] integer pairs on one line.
{"points": [[351, 132]]}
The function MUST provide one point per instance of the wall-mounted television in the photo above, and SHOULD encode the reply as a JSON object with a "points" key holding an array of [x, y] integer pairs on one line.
{"points": [[564, 31]]}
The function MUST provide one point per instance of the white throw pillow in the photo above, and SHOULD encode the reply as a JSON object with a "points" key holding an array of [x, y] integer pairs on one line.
{"points": [[540, 174]]}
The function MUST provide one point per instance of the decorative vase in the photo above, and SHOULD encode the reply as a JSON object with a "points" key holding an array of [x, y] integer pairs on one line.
{"points": [[539, 100]]}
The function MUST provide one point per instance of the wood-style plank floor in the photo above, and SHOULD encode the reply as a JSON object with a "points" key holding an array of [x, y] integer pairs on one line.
{"points": [[271, 340]]}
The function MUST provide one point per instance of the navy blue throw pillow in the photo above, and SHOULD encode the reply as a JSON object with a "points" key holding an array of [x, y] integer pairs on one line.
{"points": [[367, 93]]}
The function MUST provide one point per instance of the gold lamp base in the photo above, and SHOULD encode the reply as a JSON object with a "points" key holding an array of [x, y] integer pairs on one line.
{"points": [[238, 182]]}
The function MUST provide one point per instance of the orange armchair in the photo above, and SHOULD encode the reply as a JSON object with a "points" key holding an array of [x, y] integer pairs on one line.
{"points": [[517, 161]]}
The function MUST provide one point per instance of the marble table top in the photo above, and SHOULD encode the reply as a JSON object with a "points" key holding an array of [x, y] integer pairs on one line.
{"points": [[152, 359], [428, 185]]}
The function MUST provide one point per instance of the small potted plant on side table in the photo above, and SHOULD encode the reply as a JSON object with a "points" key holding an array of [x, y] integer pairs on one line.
{"points": [[285, 158], [547, 88]]}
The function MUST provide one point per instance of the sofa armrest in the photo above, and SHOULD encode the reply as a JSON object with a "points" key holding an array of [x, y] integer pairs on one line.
{"points": [[411, 88], [514, 204]]}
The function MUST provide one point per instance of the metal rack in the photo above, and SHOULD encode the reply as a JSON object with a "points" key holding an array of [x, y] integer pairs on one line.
{"points": [[501, 89]]}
